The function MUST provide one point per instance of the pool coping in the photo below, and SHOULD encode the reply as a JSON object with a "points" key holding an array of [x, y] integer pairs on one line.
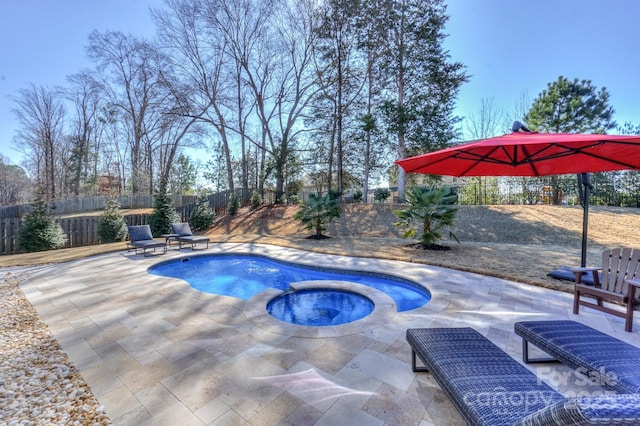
{"points": [[255, 311]]}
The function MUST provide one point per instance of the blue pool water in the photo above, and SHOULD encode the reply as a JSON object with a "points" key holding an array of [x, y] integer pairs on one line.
{"points": [[320, 307], [243, 276]]}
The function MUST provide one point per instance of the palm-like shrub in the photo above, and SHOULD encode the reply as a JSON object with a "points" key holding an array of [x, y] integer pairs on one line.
{"points": [[111, 225], [318, 212], [202, 216], [433, 208], [380, 195], [40, 231]]}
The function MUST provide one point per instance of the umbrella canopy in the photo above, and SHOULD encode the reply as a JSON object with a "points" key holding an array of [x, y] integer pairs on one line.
{"points": [[530, 154], [526, 153]]}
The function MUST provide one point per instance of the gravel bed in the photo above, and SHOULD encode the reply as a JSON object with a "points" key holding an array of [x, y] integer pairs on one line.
{"points": [[38, 384]]}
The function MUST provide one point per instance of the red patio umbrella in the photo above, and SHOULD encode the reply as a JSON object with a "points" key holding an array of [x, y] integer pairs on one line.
{"points": [[526, 153], [530, 154]]}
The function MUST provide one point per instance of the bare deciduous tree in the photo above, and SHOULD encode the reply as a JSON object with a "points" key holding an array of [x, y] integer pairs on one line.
{"points": [[197, 52], [41, 114], [133, 73], [14, 184], [85, 128]]}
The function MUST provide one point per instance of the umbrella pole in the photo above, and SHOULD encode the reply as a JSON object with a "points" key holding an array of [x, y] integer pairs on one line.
{"points": [[585, 216]]}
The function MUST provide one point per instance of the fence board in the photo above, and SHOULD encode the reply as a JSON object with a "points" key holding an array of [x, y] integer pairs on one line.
{"points": [[8, 232]]}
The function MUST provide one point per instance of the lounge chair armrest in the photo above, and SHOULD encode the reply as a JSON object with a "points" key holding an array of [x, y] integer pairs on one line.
{"points": [[585, 269], [634, 282], [578, 272]]}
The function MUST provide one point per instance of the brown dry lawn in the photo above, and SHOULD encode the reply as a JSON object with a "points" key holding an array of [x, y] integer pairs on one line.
{"points": [[521, 243]]}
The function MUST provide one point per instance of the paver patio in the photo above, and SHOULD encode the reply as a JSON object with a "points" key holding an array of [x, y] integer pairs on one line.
{"points": [[156, 352]]}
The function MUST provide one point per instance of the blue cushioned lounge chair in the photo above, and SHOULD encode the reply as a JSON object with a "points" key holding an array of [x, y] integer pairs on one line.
{"points": [[140, 238], [183, 230]]}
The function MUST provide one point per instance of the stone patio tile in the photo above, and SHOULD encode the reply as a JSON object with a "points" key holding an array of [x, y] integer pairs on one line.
{"points": [[81, 321], [156, 398], [395, 407], [114, 363], [109, 318], [194, 387], [177, 414], [286, 355], [275, 412], [321, 390], [248, 398], [118, 402], [139, 345], [87, 363], [441, 411], [329, 358], [230, 418], [212, 411], [155, 319], [305, 414], [352, 344], [148, 374], [177, 350], [102, 385], [79, 351], [137, 416], [72, 335], [345, 413], [395, 372], [108, 335]]}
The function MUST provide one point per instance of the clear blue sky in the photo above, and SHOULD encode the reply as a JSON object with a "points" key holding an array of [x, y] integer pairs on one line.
{"points": [[511, 47], [514, 47]]}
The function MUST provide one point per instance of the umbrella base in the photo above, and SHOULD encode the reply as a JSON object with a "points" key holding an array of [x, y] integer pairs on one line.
{"points": [[564, 273]]}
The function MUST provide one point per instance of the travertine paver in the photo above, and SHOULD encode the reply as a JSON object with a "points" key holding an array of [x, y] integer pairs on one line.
{"points": [[157, 352]]}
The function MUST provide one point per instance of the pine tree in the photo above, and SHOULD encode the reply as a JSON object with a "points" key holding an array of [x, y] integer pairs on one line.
{"points": [[256, 200], [202, 216], [234, 205], [570, 107], [40, 231], [112, 226], [163, 214], [422, 80]]}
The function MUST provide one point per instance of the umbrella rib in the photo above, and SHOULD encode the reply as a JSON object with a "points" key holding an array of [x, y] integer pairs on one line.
{"points": [[600, 157], [477, 158]]}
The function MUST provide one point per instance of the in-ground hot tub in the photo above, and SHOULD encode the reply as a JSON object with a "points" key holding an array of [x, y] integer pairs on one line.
{"points": [[320, 307]]}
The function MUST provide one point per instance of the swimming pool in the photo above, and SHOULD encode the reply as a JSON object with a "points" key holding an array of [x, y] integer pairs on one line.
{"points": [[245, 275]]}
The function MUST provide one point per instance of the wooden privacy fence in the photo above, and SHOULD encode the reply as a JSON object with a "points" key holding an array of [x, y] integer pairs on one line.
{"points": [[83, 230], [91, 204], [80, 231]]}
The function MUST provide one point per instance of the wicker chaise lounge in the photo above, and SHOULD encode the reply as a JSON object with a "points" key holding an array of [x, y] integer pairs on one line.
{"points": [[584, 349], [140, 237], [183, 230], [489, 387]]}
